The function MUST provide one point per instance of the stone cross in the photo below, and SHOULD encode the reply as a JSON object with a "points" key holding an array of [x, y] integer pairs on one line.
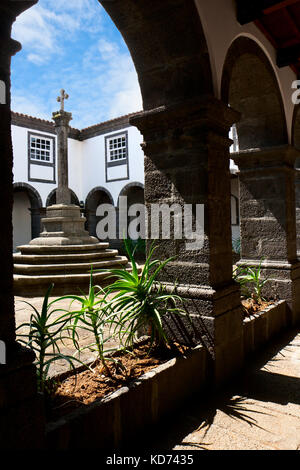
{"points": [[61, 99], [62, 120]]}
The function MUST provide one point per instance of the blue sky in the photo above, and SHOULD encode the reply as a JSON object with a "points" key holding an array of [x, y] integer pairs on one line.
{"points": [[75, 46]]}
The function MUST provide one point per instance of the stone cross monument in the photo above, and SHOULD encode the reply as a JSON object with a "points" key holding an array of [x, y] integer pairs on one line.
{"points": [[62, 120], [63, 224], [64, 252]]}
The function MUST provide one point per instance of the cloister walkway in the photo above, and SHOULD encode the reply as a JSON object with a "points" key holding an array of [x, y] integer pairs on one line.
{"points": [[260, 410]]}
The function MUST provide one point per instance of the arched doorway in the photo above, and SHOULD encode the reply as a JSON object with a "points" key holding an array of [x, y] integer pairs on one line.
{"points": [[26, 214], [95, 198], [51, 199], [134, 192]]}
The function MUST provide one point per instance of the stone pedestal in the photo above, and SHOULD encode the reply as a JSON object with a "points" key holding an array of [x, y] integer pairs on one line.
{"points": [[64, 225], [187, 162], [268, 220]]}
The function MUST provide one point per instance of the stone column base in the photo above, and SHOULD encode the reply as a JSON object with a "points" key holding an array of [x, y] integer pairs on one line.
{"points": [[63, 225], [215, 322]]}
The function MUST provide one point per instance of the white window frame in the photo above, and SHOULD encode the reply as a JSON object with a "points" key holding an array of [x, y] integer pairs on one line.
{"points": [[116, 144], [43, 147]]}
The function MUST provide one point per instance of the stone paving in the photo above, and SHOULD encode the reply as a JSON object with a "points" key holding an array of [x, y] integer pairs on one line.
{"points": [[23, 312], [259, 411]]}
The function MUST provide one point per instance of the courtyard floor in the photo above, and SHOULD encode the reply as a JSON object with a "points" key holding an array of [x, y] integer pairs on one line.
{"points": [[259, 411]]}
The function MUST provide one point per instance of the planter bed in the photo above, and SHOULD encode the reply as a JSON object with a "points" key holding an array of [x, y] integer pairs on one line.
{"points": [[263, 326], [111, 421]]}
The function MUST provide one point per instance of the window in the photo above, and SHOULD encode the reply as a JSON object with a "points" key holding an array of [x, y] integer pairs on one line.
{"points": [[116, 157], [41, 158], [41, 149], [117, 148]]}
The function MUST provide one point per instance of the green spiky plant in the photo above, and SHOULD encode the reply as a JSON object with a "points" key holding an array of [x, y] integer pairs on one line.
{"points": [[44, 337], [250, 281], [93, 316], [140, 301]]}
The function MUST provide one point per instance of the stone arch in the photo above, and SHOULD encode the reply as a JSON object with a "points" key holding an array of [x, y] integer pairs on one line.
{"points": [[250, 86], [51, 199], [168, 47], [129, 188], [135, 195], [36, 205], [96, 196]]}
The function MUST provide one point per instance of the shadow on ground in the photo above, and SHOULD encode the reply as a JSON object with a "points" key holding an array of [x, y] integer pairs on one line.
{"points": [[255, 384]]}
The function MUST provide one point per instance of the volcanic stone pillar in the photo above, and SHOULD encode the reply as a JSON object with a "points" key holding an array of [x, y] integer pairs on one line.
{"points": [[21, 421], [297, 189], [187, 162], [268, 221], [62, 120]]}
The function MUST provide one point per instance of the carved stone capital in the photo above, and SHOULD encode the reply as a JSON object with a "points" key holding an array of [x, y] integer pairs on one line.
{"points": [[273, 157]]}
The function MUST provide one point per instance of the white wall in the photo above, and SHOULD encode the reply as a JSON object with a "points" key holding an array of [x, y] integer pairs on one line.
{"points": [[86, 163], [20, 155], [93, 163]]}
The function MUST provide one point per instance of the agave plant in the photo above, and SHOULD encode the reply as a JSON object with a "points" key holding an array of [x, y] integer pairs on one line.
{"points": [[140, 302], [93, 316], [44, 337], [250, 281]]}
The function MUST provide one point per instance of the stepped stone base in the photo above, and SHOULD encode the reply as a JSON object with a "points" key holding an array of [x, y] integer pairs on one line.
{"points": [[67, 266], [63, 254]]}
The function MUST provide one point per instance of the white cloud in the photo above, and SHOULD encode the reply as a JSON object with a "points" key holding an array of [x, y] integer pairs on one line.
{"points": [[32, 104], [44, 27]]}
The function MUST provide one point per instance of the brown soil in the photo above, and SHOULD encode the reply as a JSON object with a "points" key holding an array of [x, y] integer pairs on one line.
{"points": [[88, 386], [251, 306]]}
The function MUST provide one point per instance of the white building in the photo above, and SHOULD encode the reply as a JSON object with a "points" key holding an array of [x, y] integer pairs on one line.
{"points": [[105, 161]]}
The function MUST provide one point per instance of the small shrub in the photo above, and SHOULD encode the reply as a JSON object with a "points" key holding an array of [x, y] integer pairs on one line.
{"points": [[93, 316], [250, 281], [140, 301], [44, 336]]}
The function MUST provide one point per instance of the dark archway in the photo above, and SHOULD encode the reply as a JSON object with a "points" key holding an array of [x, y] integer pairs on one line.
{"points": [[96, 196], [51, 199], [27, 193], [135, 195], [249, 85]]}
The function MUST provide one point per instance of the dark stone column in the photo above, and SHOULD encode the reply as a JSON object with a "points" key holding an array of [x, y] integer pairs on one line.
{"points": [[268, 221], [21, 418], [297, 190], [187, 162]]}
